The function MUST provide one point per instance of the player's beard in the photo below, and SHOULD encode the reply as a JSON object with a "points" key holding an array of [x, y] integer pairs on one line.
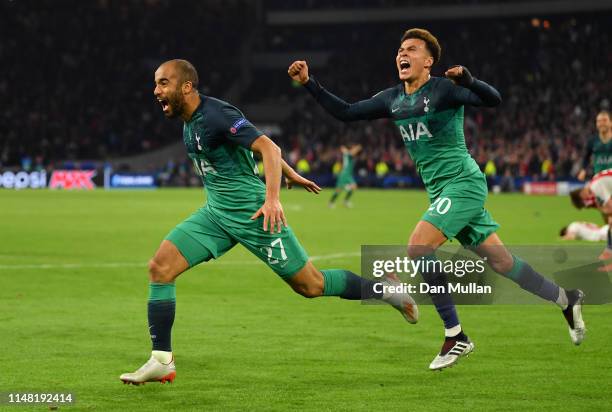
{"points": [[176, 102]]}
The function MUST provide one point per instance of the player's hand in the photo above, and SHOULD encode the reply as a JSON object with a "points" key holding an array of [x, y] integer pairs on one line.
{"points": [[297, 180], [581, 175], [298, 71], [460, 75], [272, 211]]}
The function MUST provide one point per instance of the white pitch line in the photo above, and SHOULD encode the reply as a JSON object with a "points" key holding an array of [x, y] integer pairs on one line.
{"points": [[335, 256], [111, 265], [73, 265]]}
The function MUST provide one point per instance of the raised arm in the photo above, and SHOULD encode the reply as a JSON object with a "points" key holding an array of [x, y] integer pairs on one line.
{"points": [[471, 91], [372, 108], [355, 150]]}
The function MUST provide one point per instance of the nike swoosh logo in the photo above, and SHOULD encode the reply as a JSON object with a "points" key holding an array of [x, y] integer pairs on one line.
{"points": [[395, 109]]}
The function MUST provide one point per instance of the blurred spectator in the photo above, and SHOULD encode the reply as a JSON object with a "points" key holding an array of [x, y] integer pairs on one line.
{"points": [[381, 169], [303, 167]]}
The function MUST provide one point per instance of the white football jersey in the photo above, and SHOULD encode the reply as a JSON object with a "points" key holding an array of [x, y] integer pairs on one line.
{"points": [[588, 231], [601, 186]]}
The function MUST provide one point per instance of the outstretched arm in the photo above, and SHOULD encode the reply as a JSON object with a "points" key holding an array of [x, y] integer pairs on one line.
{"points": [[293, 178], [373, 108], [472, 91]]}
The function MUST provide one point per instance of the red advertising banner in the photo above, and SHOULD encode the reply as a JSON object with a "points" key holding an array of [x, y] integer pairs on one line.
{"points": [[72, 179]]}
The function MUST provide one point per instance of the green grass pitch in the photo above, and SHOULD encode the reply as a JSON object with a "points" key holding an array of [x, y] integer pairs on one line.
{"points": [[73, 289]]}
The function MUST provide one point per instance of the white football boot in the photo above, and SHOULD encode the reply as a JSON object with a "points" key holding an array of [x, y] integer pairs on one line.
{"points": [[451, 351], [152, 371], [401, 301], [573, 316]]}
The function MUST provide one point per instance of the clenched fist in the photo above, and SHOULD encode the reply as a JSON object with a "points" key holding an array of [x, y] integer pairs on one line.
{"points": [[460, 75], [298, 71]]}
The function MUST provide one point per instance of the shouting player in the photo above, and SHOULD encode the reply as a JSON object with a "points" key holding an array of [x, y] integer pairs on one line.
{"points": [[599, 147], [240, 208], [346, 181], [428, 111]]}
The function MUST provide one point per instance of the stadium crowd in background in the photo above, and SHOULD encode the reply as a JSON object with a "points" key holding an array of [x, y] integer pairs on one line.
{"points": [[90, 102], [94, 98]]}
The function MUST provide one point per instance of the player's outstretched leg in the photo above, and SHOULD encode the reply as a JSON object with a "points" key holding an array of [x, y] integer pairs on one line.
{"points": [[424, 240], [332, 201], [311, 283], [520, 272], [167, 264], [347, 198]]}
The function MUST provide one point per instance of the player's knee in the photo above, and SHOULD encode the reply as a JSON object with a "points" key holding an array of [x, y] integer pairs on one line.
{"points": [[310, 286], [159, 272], [308, 282], [309, 290]]}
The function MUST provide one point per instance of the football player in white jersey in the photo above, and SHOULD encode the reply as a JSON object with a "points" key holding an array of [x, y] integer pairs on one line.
{"points": [[598, 194], [584, 231]]}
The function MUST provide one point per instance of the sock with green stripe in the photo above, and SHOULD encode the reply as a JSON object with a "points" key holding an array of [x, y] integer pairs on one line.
{"points": [[349, 193], [334, 197], [347, 285], [161, 308], [530, 280]]}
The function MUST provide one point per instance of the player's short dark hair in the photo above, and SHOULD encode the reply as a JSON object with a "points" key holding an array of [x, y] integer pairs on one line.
{"points": [[186, 72], [577, 198], [563, 231], [431, 43], [607, 113]]}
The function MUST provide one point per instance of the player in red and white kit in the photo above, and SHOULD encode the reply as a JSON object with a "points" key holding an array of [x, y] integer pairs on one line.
{"points": [[584, 231], [598, 194]]}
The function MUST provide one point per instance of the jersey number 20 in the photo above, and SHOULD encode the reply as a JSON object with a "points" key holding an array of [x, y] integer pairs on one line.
{"points": [[441, 204]]}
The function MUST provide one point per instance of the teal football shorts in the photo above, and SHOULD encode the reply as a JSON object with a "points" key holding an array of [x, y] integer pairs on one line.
{"points": [[209, 234], [458, 211]]}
